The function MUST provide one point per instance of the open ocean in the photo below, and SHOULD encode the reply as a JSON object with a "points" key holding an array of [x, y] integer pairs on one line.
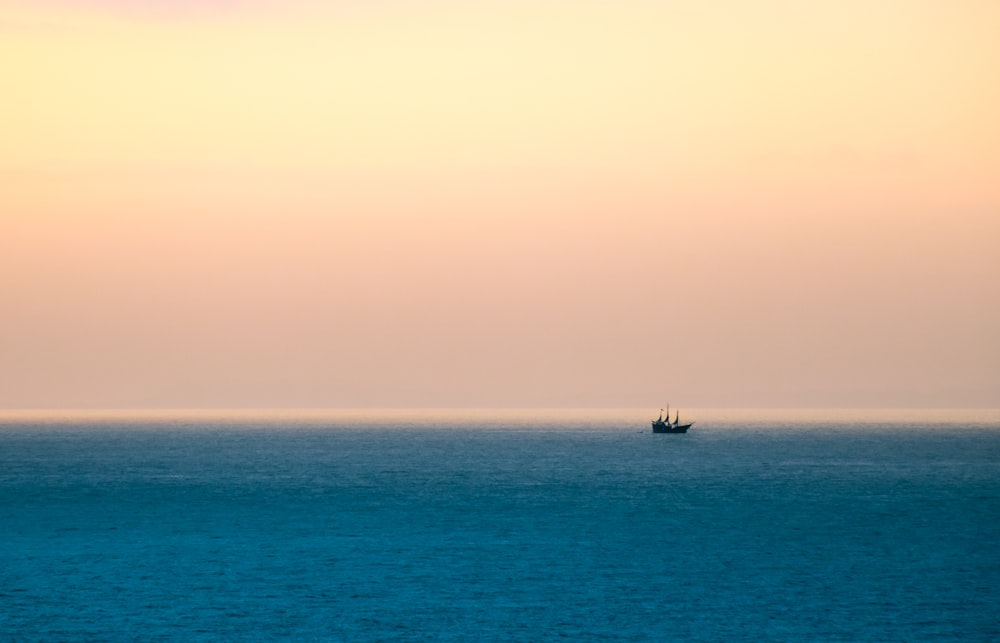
{"points": [[506, 525]]}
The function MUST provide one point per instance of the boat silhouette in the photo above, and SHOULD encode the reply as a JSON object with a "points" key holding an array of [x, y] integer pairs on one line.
{"points": [[664, 425]]}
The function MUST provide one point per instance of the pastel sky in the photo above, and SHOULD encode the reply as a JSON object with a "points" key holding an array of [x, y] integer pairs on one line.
{"points": [[499, 203]]}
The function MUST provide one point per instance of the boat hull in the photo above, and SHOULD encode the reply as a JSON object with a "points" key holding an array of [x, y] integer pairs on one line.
{"points": [[663, 427]]}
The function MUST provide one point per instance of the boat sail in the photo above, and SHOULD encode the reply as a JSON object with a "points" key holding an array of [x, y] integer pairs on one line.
{"points": [[661, 425]]}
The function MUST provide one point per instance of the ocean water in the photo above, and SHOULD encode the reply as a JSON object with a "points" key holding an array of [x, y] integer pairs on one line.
{"points": [[507, 525]]}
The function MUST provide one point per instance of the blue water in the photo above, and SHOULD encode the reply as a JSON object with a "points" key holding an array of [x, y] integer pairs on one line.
{"points": [[500, 526]]}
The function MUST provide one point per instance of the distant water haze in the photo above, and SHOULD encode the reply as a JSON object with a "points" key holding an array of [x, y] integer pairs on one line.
{"points": [[720, 204], [572, 420]]}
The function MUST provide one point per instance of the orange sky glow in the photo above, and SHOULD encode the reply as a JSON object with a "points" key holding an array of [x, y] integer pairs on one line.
{"points": [[443, 203]]}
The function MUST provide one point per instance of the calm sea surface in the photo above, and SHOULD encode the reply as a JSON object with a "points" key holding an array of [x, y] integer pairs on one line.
{"points": [[472, 525]]}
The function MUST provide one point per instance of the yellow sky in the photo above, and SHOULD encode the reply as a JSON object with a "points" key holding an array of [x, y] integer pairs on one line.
{"points": [[437, 203]]}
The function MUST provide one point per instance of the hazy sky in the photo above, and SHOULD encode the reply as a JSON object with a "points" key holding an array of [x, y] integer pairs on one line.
{"points": [[499, 203]]}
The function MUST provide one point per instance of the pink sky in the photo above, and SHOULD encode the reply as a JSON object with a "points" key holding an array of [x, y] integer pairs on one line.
{"points": [[499, 204]]}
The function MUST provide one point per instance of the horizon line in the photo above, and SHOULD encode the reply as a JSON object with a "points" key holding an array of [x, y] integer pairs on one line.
{"points": [[271, 409]]}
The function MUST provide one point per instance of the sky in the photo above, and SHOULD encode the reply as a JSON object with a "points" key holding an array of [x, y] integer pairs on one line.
{"points": [[444, 203]]}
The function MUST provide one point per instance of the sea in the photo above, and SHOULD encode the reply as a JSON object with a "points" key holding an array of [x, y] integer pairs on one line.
{"points": [[500, 525]]}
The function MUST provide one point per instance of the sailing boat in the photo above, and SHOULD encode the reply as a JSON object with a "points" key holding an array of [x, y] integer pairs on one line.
{"points": [[664, 425]]}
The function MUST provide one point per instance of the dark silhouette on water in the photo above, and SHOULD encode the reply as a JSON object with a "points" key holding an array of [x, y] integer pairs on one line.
{"points": [[664, 425]]}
